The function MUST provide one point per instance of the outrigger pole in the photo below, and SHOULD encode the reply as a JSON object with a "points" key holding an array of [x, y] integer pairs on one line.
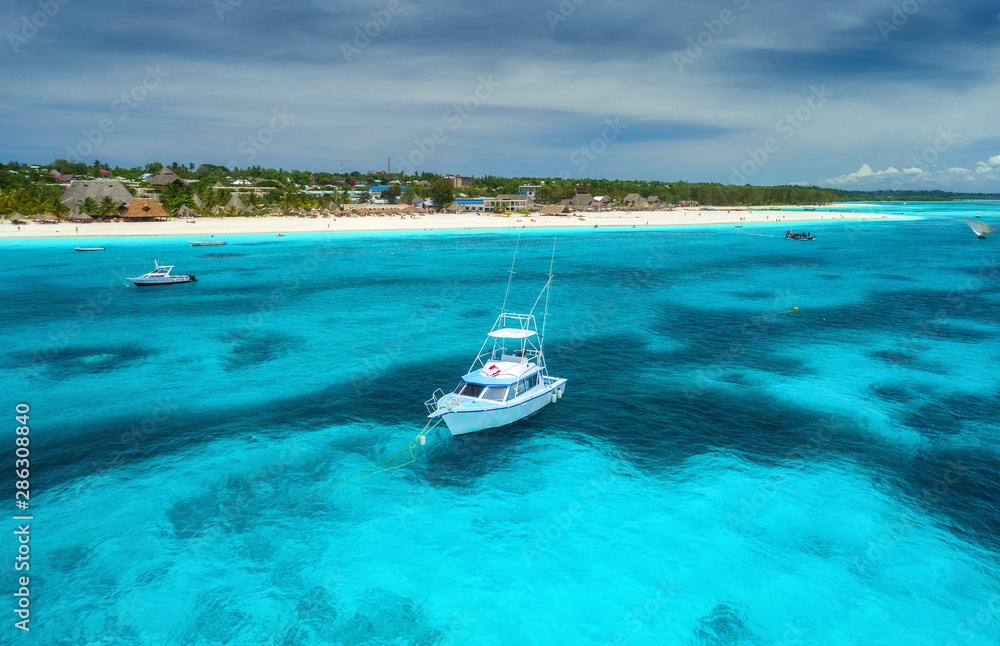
{"points": [[510, 277], [541, 337]]}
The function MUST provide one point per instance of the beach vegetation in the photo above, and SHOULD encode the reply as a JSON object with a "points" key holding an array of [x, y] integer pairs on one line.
{"points": [[89, 206], [442, 192], [106, 207]]}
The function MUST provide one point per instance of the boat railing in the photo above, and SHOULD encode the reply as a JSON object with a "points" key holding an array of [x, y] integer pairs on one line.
{"points": [[432, 403]]}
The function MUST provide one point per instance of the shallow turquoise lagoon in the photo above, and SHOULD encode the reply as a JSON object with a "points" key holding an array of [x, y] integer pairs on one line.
{"points": [[723, 468]]}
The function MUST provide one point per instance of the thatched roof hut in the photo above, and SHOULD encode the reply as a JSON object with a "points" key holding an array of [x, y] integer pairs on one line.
{"points": [[197, 201], [635, 200], [185, 212], [559, 209], [97, 190], [580, 201], [236, 201], [165, 176], [79, 217], [143, 208]]}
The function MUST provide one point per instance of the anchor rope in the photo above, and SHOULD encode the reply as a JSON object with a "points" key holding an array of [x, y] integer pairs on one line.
{"points": [[794, 309], [379, 468]]}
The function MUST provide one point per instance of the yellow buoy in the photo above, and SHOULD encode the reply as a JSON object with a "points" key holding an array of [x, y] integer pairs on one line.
{"points": [[796, 309]]}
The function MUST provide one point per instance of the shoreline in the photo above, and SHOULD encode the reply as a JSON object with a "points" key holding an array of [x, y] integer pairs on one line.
{"points": [[219, 226]]}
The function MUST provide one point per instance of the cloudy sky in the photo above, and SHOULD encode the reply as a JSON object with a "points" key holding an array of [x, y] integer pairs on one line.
{"points": [[844, 93]]}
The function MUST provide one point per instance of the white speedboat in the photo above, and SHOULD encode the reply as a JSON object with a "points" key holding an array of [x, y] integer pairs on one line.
{"points": [[205, 243], [507, 382], [89, 248], [161, 276]]}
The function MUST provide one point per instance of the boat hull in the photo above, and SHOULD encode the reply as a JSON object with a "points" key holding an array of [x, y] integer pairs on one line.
{"points": [[173, 280], [462, 422]]}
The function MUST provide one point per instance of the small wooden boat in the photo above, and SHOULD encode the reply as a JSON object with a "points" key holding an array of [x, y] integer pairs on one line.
{"points": [[281, 235], [980, 228], [88, 248], [798, 236]]}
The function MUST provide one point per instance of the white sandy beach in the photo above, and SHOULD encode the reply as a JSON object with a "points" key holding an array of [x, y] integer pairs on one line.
{"points": [[201, 228]]}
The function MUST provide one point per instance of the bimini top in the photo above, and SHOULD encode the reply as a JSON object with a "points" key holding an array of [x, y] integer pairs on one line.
{"points": [[511, 333]]}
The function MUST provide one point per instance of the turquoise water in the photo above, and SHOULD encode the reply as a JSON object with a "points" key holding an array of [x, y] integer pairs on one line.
{"points": [[722, 470]]}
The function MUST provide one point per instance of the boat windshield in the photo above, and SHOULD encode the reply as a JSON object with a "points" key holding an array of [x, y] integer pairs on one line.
{"points": [[469, 390], [495, 393]]}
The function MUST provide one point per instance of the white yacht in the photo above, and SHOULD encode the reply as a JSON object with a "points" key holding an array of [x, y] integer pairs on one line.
{"points": [[507, 381], [161, 276]]}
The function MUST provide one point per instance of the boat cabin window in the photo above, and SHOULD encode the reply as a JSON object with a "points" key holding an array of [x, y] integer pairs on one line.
{"points": [[469, 390], [495, 393], [523, 386]]}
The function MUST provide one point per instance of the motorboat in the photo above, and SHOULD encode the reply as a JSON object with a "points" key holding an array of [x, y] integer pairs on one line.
{"points": [[508, 380], [161, 276], [88, 248], [205, 243], [981, 228], [790, 235]]}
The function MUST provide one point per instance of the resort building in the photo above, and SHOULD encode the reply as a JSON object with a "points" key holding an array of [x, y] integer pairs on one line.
{"points": [[528, 189], [165, 176], [516, 202], [144, 209], [460, 182], [579, 201], [97, 190], [635, 201]]}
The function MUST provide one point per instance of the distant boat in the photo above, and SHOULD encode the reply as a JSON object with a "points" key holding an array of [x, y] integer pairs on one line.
{"points": [[281, 235], [161, 276], [980, 228], [798, 236], [89, 248], [205, 243], [738, 226], [809, 208]]}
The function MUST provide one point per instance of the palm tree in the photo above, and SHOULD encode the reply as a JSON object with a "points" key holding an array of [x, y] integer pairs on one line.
{"points": [[88, 206], [7, 204], [59, 208], [107, 207]]}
